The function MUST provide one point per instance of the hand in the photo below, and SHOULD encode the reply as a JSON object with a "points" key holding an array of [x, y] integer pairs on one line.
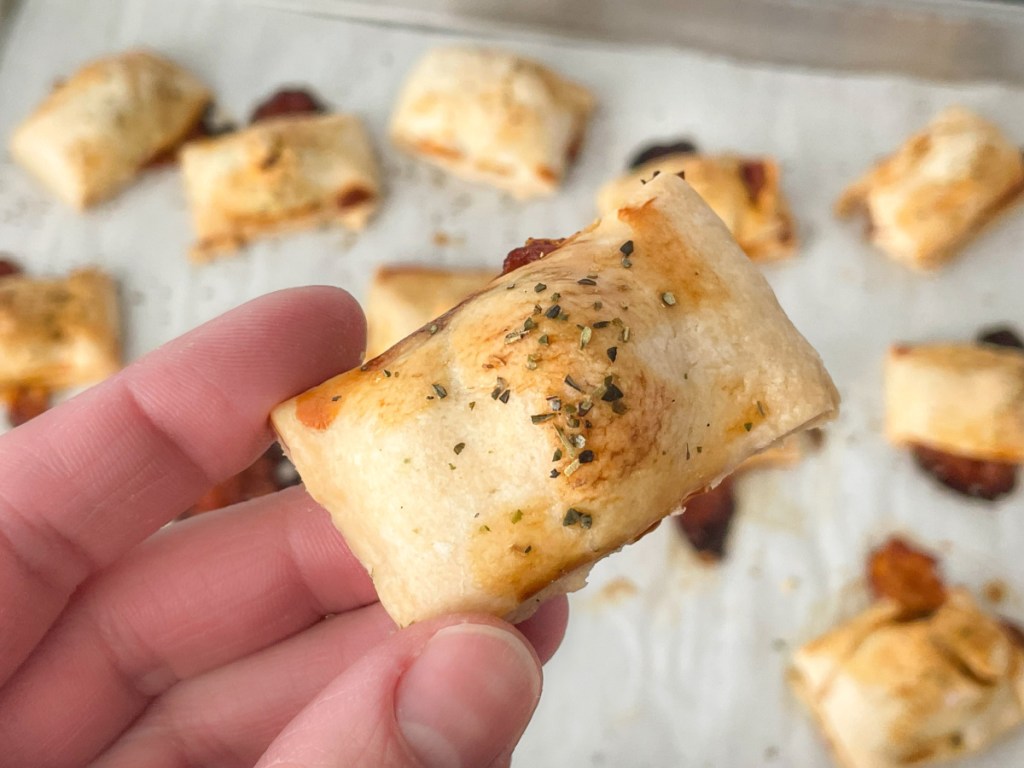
{"points": [[123, 643]]}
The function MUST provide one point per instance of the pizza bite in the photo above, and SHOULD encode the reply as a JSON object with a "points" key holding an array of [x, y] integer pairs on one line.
{"points": [[101, 126], [487, 461], [57, 333], [491, 116], [960, 408], [926, 200], [284, 173], [403, 298], [743, 190], [922, 675]]}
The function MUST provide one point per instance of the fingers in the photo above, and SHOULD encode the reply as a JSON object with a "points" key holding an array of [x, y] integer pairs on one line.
{"points": [[194, 597], [455, 693], [93, 477]]}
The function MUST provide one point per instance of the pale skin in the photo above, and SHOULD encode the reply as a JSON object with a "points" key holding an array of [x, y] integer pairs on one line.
{"points": [[123, 643]]}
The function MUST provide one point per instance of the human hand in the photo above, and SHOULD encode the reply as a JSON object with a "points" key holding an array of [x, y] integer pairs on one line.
{"points": [[205, 643]]}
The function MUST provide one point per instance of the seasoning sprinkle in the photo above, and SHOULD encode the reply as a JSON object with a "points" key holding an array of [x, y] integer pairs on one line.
{"points": [[626, 248], [748, 426], [585, 457], [573, 384], [553, 311], [387, 373], [619, 407], [555, 403], [760, 408], [537, 309], [556, 296], [571, 468], [529, 324], [598, 305], [613, 352], [336, 398], [574, 517], [540, 418], [441, 391], [563, 316], [504, 396], [458, 448], [485, 529], [531, 362], [579, 441], [586, 281], [626, 262], [451, 466], [540, 287], [566, 442], [624, 334], [573, 422], [432, 328], [585, 335], [554, 473], [517, 516], [602, 323], [557, 456], [687, 451], [700, 448], [499, 387], [528, 550], [668, 298], [513, 336], [585, 407], [472, 404], [543, 340], [612, 393], [510, 286]]}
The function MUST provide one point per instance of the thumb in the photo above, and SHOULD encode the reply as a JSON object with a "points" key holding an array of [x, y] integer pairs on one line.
{"points": [[452, 693]]}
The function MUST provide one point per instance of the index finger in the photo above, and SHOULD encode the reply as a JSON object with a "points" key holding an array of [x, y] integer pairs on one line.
{"points": [[92, 478]]}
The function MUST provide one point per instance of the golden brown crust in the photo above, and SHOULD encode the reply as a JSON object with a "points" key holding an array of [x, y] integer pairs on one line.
{"points": [[938, 189], [281, 174], [744, 191], [964, 399], [436, 458], [58, 333], [491, 116], [889, 692], [99, 127], [402, 298]]}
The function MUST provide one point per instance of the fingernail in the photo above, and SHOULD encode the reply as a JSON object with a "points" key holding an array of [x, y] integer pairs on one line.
{"points": [[467, 697]]}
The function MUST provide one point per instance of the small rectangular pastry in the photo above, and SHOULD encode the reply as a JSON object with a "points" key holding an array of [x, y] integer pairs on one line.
{"points": [[491, 116], [967, 399], [486, 462], [909, 684], [285, 173], [98, 128], [57, 333], [743, 191], [403, 298], [924, 201]]}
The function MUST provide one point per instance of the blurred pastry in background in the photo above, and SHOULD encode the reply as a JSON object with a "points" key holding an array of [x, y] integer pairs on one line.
{"points": [[292, 171], [405, 297], [58, 332], [270, 473], [960, 409], [96, 130], [293, 100], [926, 200], [707, 517], [491, 116], [922, 675], [744, 191]]}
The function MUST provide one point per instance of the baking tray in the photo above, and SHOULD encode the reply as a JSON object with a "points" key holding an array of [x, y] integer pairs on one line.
{"points": [[666, 662]]}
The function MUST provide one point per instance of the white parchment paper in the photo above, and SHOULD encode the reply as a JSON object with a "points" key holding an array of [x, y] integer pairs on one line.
{"points": [[666, 662]]}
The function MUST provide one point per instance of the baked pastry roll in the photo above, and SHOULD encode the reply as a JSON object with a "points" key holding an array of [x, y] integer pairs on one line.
{"points": [[285, 173], [403, 298], [743, 191], [922, 675], [487, 461], [937, 190], [57, 333], [99, 127], [966, 399], [491, 116]]}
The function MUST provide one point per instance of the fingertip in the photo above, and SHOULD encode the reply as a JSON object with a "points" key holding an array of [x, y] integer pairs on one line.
{"points": [[546, 628]]}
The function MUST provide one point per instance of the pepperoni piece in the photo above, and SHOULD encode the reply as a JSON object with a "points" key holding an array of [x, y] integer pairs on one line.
{"points": [[654, 151], [353, 196], [25, 403], [534, 250], [1001, 336], [970, 477], [754, 178], [707, 520], [909, 576], [9, 266], [271, 472], [287, 101]]}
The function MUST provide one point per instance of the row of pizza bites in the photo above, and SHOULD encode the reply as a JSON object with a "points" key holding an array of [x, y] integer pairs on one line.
{"points": [[484, 115]]}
